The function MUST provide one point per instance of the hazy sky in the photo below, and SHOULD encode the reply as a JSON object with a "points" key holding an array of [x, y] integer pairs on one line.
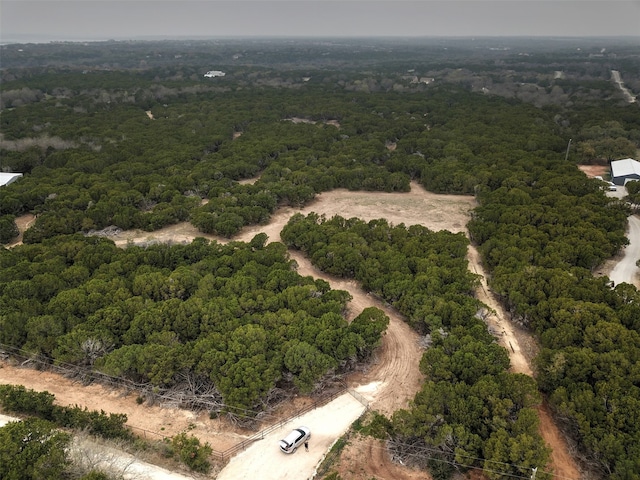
{"points": [[120, 19]]}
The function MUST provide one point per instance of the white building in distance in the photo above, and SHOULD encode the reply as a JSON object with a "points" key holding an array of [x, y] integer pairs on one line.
{"points": [[7, 178], [214, 73], [625, 169]]}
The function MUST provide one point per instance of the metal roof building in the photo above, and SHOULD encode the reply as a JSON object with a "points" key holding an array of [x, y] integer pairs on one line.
{"points": [[625, 169], [7, 178]]}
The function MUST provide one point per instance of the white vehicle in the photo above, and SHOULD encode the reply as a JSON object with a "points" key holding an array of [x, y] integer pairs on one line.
{"points": [[297, 437]]}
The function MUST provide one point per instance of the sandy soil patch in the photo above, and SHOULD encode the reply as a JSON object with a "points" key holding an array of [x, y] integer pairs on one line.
{"points": [[246, 181], [365, 458], [300, 120], [562, 463], [377, 465], [417, 207], [150, 422], [22, 222], [594, 170], [334, 123]]}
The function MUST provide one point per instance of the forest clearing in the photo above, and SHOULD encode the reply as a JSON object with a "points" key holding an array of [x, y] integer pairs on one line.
{"points": [[388, 384]]}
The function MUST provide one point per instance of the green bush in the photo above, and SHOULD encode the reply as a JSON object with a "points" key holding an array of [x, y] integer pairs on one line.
{"points": [[378, 427], [191, 453], [32, 450], [18, 399], [95, 475]]}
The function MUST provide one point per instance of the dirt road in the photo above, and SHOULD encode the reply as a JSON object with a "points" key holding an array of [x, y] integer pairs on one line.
{"points": [[626, 269], [327, 424], [617, 79], [623, 268], [522, 349], [497, 320]]}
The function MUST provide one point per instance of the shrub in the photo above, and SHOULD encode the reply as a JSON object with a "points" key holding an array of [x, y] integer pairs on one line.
{"points": [[191, 453], [17, 399]]}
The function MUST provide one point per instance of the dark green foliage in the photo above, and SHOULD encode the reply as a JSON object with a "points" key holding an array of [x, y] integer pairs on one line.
{"points": [[464, 355], [470, 407], [18, 399], [378, 427], [189, 450], [100, 423], [8, 228], [422, 273], [332, 476], [369, 326], [459, 423], [542, 234], [95, 475], [237, 315], [32, 450]]}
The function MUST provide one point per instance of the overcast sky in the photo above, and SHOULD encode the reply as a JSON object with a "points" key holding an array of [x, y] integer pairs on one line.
{"points": [[43, 20]]}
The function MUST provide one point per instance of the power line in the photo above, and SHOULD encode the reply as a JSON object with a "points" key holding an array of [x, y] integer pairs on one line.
{"points": [[432, 450], [471, 457], [457, 464]]}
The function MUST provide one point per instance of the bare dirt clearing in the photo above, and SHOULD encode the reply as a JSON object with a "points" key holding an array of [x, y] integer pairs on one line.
{"points": [[365, 458], [434, 211], [594, 170], [390, 382], [22, 222]]}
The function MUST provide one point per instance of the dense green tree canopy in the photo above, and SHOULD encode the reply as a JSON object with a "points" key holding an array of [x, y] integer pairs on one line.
{"points": [[237, 315], [105, 139]]}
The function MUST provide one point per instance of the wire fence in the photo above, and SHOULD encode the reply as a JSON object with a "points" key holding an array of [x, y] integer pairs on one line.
{"points": [[87, 376]]}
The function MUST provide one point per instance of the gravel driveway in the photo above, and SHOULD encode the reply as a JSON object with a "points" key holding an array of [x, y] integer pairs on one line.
{"points": [[265, 461]]}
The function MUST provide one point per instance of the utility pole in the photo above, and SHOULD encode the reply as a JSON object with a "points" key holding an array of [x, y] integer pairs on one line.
{"points": [[567, 154]]}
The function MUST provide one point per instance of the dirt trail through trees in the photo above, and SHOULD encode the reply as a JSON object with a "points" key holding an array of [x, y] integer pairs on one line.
{"points": [[390, 382], [522, 348]]}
